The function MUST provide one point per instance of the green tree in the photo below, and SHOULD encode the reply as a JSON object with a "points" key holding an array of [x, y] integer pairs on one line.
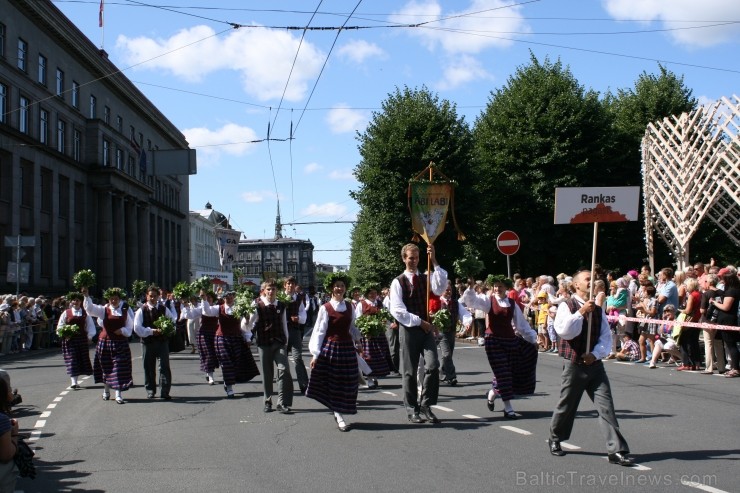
{"points": [[413, 129], [540, 131]]}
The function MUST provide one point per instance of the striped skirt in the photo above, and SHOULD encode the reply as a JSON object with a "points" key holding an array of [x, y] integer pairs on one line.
{"points": [[525, 368], [334, 378], [376, 353], [207, 350], [112, 365], [236, 360], [76, 351]]}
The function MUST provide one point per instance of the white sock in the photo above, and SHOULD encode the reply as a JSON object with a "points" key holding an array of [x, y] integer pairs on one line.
{"points": [[491, 395], [339, 417], [118, 394], [74, 380], [210, 375], [507, 407]]}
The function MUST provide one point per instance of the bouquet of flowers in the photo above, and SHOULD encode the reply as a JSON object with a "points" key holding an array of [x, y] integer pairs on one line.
{"points": [[183, 291], [165, 325], [284, 297], [442, 319], [243, 304], [83, 279], [373, 325], [67, 330], [203, 283], [469, 265]]}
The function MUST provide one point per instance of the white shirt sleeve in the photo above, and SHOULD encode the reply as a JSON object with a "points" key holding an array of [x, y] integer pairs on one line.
{"points": [[90, 327], [398, 309], [97, 311], [569, 325], [208, 310], [521, 326], [302, 313], [139, 328], [318, 333], [476, 301]]}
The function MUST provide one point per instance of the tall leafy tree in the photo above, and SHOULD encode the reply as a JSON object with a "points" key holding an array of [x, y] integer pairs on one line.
{"points": [[540, 131], [413, 128]]}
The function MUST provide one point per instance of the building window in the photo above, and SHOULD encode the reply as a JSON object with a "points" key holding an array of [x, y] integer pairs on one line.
{"points": [[106, 152], [42, 69], [26, 183], [46, 193], [106, 115], [131, 133], [61, 135], [60, 83], [131, 166], [75, 95], [44, 126], [3, 103], [63, 196], [119, 123], [93, 107], [2, 40], [22, 54], [119, 158], [24, 120], [77, 145]]}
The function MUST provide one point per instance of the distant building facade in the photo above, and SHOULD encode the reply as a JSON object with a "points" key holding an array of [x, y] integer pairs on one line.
{"points": [[76, 141], [203, 249]]}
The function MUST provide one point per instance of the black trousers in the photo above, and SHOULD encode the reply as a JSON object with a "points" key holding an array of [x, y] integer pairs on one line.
{"points": [[153, 349], [414, 344]]}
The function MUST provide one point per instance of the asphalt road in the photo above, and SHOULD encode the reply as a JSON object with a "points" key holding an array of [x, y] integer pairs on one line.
{"points": [[682, 428]]}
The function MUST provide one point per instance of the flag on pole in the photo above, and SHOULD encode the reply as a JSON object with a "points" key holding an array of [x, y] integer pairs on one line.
{"points": [[100, 14]]}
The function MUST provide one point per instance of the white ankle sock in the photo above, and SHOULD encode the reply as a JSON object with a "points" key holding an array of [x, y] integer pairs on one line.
{"points": [[118, 394], [74, 380], [507, 407]]}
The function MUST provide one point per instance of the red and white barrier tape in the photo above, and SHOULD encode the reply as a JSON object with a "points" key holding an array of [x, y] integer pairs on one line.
{"points": [[699, 325]]}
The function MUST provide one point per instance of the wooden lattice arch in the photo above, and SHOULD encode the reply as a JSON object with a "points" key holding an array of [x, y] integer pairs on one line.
{"points": [[690, 171]]}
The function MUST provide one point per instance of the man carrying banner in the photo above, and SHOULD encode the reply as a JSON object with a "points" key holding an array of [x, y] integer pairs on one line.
{"points": [[408, 307]]}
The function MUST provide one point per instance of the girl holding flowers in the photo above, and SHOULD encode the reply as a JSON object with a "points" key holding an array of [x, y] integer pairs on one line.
{"points": [[76, 329], [375, 350], [333, 381]]}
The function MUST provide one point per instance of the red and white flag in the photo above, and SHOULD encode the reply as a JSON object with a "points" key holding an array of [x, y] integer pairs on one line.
{"points": [[100, 14]]}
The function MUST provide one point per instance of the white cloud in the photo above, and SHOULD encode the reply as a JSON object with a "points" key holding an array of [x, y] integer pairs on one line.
{"points": [[460, 71], [210, 144], [312, 168], [263, 58], [329, 209], [257, 196], [342, 119], [341, 175], [359, 50], [675, 13], [458, 33]]}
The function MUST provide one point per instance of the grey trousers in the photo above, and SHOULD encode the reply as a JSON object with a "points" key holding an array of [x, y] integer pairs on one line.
{"points": [[415, 343], [295, 344], [576, 380], [276, 355], [393, 345], [446, 348]]}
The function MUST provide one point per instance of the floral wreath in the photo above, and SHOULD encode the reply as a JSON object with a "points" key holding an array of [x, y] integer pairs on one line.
{"points": [[111, 292], [332, 278], [74, 295], [499, 278]]}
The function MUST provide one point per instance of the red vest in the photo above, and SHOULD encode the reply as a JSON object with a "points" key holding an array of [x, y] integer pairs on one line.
{"points": [[499, 320], [111, 323], [339, 323], [228, 325]]}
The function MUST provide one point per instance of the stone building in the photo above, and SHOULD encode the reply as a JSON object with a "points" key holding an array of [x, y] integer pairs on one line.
{"points": [[77, 145]]}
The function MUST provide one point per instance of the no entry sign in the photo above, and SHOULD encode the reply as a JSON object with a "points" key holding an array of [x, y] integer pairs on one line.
{"points": [[507, 242]]}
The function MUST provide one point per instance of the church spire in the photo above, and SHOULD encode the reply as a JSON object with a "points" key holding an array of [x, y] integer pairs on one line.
{"points": [[278, 224]]}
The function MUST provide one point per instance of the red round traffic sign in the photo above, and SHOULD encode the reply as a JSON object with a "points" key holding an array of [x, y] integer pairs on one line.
{"points": [[507, 242]]}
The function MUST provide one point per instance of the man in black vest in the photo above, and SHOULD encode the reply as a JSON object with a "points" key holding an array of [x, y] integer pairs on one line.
{"points": [[409, 308], [583, 371], [155, 345]]}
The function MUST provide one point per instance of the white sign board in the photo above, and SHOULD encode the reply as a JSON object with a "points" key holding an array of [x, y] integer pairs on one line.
{"points": [[227, 277], [227, 242], [596, 205]]}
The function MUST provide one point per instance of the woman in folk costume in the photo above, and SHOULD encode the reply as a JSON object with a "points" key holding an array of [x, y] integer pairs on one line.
{"points": [[232, 344], [112, 365], [76, 348], [513, 361], [375, 350], [206, 334], [333, 381]]}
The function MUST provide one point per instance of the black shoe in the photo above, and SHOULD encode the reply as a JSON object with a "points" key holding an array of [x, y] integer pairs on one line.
{"points": [[511, 415], [150, 395], [167, 397], [282, 409], [426, 411], [622, 459], [303, 390], [74, 387], [230, 395], [268, 407], [555, 448], [415, 418], [453, 382]]}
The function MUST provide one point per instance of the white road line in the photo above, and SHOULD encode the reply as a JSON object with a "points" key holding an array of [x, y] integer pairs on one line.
{"points": [[569, 446], [442, 408], [389, 393], [702, 487], [637, 467], [40, 423], [516, 430], [85, 378], [45, 414], [64, 392], [51, 406], [57, 399], [471, 416]]}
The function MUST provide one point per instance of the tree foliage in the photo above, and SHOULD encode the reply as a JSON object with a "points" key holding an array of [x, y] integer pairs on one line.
{"points": [[413, 129]]}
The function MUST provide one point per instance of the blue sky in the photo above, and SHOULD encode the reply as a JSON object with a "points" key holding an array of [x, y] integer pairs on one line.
{"points": [[222, 86]]}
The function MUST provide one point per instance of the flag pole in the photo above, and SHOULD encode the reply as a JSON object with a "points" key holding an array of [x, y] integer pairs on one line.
{"points": [[591, 287], [101, 24]]}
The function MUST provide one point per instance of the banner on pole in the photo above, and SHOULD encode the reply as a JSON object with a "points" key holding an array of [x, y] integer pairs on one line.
{"points": [[429, 205], [596, 205], [227, 242]]}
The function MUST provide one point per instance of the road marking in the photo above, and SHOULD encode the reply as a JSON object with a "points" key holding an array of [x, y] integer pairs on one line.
{"points": [[64, 392], [389, 393], [51, 406], [569, 446], [516, 430], [57, 399], [702, 487], [637, 467], [45, 414], [442, 408], [40, 423], [35, 435], [85, 378], [471, 416]]}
